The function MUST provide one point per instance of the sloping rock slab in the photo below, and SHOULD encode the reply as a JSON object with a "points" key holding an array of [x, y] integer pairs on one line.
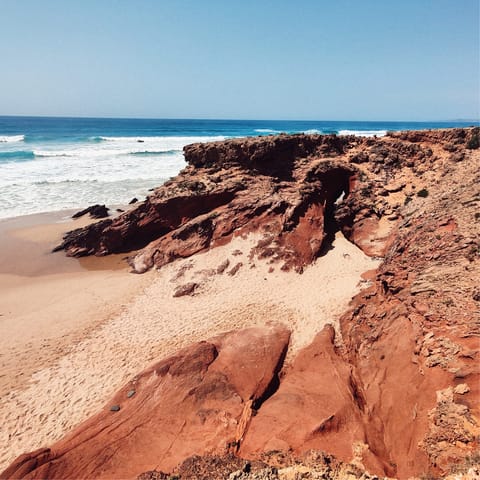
{"points": [[198, 401], [318, 406]]}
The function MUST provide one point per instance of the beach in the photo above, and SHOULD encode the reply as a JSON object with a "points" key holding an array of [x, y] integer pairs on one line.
{"points": [[289, 296], [240, 240], [74, 331]]}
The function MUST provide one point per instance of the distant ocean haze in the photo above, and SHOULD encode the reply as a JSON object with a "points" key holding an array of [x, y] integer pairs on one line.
{"points": [[50, 164]]}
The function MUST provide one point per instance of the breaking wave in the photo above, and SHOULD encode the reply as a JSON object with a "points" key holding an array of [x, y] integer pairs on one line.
{"points": [[164, 140], [11, 138], [266, 130], [17, 155], [364, 133], [150, 152]]}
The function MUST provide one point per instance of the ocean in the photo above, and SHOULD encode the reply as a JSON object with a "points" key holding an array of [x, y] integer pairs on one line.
{"points": [[51, 164]]}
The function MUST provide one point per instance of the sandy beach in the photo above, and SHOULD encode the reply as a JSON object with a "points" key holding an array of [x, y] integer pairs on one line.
{"points": [[73, 331]]}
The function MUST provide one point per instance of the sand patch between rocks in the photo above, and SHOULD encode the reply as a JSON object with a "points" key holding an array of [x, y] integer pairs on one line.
{"points": [[155, 324]]}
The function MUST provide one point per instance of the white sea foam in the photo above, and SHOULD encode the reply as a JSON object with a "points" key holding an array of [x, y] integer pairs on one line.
{"points": [[42, 153], [364, 133], [266, 130], [172, 141], [313, 131], [123, 146], [11, 138], [72, 175], [53, 196]]}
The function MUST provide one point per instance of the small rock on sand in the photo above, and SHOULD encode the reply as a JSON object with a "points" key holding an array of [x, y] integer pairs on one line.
{"points": [[223, 266], [95, 211], [235, 269], [187, 289]]}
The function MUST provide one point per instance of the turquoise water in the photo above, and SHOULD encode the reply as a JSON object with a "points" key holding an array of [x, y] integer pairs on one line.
{"points": [[58, 163]]}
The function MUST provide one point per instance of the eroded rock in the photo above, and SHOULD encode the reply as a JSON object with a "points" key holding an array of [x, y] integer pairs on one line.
{"points": [[199, 400], [186, 289]]}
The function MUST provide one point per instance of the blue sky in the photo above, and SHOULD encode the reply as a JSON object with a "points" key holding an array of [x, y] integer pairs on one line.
{"points": [[254, 59]]}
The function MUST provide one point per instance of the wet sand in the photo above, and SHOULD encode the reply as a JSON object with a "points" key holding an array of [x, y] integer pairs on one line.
{"points": [[47, 300], [73, 331]]}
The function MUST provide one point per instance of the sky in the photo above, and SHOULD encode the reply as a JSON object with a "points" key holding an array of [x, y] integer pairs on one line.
{"points": [[250, 59]]}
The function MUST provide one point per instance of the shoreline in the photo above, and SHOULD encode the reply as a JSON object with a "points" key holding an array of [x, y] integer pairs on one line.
{"points": [[38, 286], [74, 330], [43, 291], [135, 159]]}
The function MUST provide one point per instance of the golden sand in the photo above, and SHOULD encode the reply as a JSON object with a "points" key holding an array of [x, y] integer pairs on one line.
{"points": [[73, 331]]}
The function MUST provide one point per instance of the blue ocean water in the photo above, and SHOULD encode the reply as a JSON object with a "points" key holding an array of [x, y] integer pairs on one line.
{"points": [[49, 164]]}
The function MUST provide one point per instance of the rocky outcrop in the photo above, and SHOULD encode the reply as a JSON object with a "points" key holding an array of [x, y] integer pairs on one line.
{"points": [[318, 406], [95, 211], [395, 390], [413, 337], [283, 186]]}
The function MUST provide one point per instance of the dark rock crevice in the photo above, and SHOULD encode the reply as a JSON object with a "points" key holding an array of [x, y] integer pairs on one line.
{"points": [[274, 383]]}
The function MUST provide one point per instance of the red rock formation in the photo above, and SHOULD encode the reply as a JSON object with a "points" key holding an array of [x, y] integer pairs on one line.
{"points": [[318, 406], [198, 401], [284, 187], [413, 337], [278, 185]]}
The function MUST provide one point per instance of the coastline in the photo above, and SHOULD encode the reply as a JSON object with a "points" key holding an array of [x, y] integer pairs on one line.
{"points": [[55, 163], [73, 331], [413, 325], [42, 291]]}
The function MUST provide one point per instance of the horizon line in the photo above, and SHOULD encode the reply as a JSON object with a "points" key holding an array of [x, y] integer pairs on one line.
{"points": [[87, 117]]}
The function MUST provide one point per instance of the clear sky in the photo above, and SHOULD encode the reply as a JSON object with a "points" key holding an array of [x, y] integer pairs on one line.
{"points": [[248, 59]]}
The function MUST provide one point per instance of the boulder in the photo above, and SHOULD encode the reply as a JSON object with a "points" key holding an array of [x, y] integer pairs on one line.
{"points": [[95, 211], [197, 401]]}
